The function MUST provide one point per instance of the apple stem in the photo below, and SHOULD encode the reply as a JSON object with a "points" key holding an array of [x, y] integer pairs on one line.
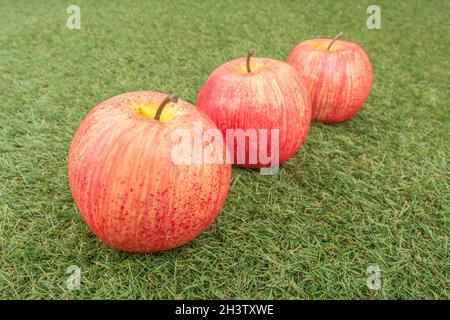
{"points": [[170, 98], [249, 55], [334, 40]]}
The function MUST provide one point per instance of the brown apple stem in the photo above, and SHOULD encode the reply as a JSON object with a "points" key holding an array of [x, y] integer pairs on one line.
{"points": [[170, 98], [249, 55], [334, 40]]}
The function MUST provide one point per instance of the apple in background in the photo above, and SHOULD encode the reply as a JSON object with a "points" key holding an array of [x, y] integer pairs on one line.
{"points": [[125, 183], [338, 75], [253, 94]]}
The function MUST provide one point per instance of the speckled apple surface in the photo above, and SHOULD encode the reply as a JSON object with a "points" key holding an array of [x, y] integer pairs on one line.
{"points": [[125, 184], [271, 96], [338, 79]]}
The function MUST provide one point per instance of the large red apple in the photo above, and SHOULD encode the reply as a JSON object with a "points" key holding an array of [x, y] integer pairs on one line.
{"points": [[260, 100], [124, 179], [338, 75]]}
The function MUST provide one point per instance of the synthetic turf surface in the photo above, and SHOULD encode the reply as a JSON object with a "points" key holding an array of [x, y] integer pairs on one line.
{"points": [[372, 190]]}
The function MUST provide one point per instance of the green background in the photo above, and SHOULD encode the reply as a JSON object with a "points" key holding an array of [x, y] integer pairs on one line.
{"points": [[372, 190]]}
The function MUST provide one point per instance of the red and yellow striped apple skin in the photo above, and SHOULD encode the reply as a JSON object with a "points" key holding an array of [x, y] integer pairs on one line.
{"points": [[338, 80], [272, 96], [125, 184]]}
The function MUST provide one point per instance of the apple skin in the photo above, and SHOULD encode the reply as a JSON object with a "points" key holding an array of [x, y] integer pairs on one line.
{"points": [[271, 96], [338, 80], [125, 184]]}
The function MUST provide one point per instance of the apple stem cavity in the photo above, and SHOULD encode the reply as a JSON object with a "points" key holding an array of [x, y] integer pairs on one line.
{"points": [[334, 40], [247, 63], [170, 98]]}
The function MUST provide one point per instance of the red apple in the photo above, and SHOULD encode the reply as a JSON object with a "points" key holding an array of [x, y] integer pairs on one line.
{"points": [[124, 179], [258, 99], [338, 75]]}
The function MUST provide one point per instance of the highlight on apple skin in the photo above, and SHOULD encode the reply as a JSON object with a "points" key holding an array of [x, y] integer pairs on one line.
{"points": [[124, 182], [338, 75], [256, 94]]}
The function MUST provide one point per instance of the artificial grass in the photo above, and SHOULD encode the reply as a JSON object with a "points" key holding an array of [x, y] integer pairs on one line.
{"points": [[372, 190]]}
